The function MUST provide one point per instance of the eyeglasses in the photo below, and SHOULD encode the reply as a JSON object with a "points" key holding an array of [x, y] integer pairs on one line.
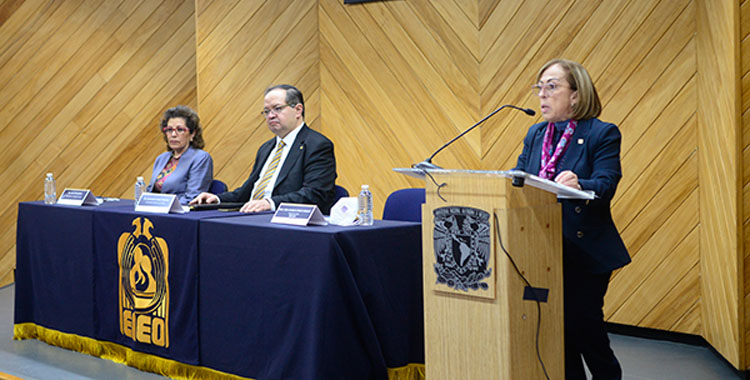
{"points": [[547, 88], [179, 130], [276, 110]]}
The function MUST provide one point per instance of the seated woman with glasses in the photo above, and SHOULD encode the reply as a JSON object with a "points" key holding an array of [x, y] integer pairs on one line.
{"points": [[184, 169]]}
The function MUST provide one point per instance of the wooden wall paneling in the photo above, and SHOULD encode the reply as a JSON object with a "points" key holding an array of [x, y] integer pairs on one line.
{"points": [[654, 131], [129, 7], [118, 73], [400, 70], [134, 31], [744, 10], [131, 99], [7, 260], [719, 148], [448, 65], [446, 71], [745, 132], [503, 138], [241, 119], [411, 94], [506, 73], [493, 22], [412, 57], [597, 43], [460, 19], [56, 93], [349, 115], [7, 8], [655, 287], [109, 70], [638, 24], [655, 251], [23, 89], [209, 16], [233, 45], [167, 56], [22, 159], [570, 30], [352, 128], [278, 44], [486, 8], [118, 176], [691, 321], [659, 96], [28, 41], [530, 26], [644, 57], [354, 75], [672, 310], [642, 24], [666, 182]]}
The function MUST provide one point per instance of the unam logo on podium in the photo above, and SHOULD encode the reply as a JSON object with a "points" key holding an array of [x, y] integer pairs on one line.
{"points": [[463, 258], [143, 284]]}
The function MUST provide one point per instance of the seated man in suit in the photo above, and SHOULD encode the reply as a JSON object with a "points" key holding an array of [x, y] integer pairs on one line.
{"points": [[296, 166]]}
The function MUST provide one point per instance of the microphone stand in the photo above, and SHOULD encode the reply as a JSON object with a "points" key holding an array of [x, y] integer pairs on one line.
{"points": [[427, 164]]}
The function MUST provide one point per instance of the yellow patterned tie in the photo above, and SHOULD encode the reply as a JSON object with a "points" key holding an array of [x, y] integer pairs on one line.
{"points": [[261, 189]]}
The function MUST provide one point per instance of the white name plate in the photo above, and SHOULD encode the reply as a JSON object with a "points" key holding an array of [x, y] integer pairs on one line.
{"points": [[159, 204], [299, 215], [78, 197]]}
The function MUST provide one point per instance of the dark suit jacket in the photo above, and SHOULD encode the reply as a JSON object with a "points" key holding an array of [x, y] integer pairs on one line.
{"points": [[307, 176], [590, 237]]}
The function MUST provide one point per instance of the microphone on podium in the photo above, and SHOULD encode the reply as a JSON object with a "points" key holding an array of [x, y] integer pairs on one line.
{"points": [[427, 164]]}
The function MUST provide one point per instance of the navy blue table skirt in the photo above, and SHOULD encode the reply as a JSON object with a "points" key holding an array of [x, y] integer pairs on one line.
{"points": [[246, 297], [68, 274], [287, 302]]}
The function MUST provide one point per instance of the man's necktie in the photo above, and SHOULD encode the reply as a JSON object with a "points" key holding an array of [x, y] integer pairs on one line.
{"points": [[261, 189]]}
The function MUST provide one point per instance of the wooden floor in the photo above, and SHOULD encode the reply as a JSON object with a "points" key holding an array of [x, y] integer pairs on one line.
{"points": [[642, 359]]}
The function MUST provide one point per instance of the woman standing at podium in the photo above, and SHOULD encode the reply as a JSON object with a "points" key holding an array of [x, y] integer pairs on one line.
{"points": [[574, 148]]}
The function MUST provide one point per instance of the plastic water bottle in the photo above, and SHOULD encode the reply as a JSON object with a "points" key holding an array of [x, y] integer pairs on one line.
{"points": [[140, 187], [365, 206], [50, 190]]}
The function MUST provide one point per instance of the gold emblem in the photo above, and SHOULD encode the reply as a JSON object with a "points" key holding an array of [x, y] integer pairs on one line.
{"points": [[143, 284]]}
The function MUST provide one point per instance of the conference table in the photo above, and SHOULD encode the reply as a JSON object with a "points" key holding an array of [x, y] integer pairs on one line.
{"points": [[242, 296]]}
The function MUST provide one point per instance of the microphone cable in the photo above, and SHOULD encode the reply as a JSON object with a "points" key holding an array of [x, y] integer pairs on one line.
{"points": [[536, 298]]}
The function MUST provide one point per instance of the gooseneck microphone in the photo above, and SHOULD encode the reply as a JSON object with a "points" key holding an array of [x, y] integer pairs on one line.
{"points": [[427, 164]]}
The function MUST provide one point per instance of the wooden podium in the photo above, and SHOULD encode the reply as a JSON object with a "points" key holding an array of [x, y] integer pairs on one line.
{"points": [[480, 315]]}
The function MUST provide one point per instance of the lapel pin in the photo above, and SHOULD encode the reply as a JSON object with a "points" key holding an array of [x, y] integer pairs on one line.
{"points": [[580, 141]]}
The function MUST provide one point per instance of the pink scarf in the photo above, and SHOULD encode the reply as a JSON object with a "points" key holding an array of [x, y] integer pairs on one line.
{"points": [[549, 164]]}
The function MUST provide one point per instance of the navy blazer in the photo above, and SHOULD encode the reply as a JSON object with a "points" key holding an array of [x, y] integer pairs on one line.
{"points": [[307, 176], [590, 237], [193, 175]]}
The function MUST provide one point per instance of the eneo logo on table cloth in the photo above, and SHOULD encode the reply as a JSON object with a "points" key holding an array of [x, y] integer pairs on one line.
{"points": [[143, 287]]}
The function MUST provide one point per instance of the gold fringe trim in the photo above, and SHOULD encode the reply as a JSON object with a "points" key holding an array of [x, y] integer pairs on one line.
{"points": [[408, 372], [119, 354], [156, 364], [5, 376]]}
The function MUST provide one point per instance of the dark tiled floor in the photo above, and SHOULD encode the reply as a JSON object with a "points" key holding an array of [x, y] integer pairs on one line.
{"points": [[641, 358], [650, 359]]}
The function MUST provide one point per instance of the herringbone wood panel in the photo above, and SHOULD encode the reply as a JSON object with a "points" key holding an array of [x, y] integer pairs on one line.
{"points": [[83, 86]]}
